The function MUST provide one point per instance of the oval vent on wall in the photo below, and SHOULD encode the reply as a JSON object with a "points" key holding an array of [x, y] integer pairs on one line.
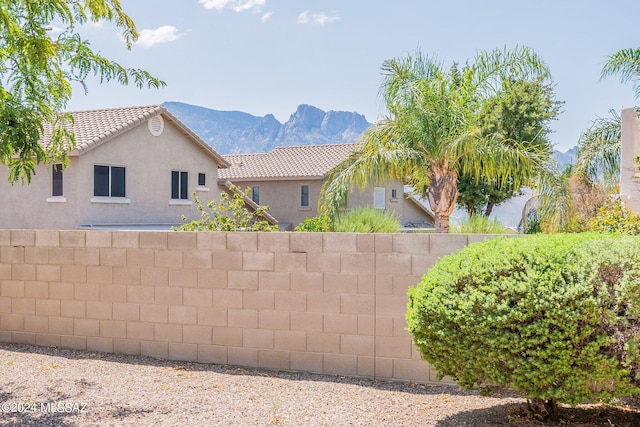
{"points": [[156, 125]]}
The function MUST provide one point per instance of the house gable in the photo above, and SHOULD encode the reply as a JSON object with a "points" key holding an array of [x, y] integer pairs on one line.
{"points": [[135, 150]]}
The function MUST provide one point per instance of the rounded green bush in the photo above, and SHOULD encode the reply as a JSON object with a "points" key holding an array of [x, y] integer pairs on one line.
{"points": [[555, 317]]}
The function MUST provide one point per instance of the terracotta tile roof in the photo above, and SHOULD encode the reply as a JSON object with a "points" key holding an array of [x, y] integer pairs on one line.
{"points": [[95, 127], [309, 161]]}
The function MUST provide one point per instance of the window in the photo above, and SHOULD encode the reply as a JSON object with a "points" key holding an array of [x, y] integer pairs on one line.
{"points": [[202, 180], [394, 193], [304, 196], [379, 195], [255, 194], [179, 185], [109, 181], [56, 179]]}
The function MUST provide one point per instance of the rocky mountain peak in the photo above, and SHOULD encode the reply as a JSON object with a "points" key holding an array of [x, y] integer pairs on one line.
{"points": [[232, 132]]}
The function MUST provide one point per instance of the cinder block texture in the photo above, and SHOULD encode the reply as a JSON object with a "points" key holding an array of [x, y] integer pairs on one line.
{"points": [[317, 302]]}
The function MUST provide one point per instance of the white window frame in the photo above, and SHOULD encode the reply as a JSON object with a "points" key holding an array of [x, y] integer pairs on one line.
{"points": [[379, 198]]}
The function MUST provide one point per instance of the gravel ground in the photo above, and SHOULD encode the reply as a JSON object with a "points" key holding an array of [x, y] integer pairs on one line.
{"points": [[57, 387]]}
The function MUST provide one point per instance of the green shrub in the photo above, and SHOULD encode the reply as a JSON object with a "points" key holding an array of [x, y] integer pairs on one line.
{"points": [[479, 224], [366, 220], [613, 217], [314, 224], [230, 213], [555, 317]]}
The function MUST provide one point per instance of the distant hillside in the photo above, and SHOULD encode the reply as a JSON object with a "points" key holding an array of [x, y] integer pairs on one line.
{"points": [[567, 158], [234, 132]]}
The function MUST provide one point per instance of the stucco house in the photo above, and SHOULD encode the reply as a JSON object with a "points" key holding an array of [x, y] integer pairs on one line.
{"points": [[289, 180], [134, 166]]}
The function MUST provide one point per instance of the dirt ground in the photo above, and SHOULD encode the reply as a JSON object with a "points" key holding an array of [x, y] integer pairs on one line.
{"points": [[97, 389]]}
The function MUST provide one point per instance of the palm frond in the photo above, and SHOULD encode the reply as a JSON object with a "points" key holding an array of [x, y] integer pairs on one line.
{"points": [[599, 149], [382, 156], [491, 68], [626, 64]]}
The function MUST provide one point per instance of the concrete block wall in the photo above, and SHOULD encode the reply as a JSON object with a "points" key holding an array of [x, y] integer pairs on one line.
{"points": [[325, 303]]}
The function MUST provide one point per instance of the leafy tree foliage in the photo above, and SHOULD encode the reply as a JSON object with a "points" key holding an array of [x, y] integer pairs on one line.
{"points": [[230, 213], [315, 224], [613, 217], [431, 134], [519, 114], [555, 317], [38, 67]]}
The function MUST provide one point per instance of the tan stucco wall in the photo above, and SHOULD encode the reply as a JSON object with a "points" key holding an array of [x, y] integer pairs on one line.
{"points": [[283, 199], [630, 148], [148, 161], [326, 303], [26, 206]]}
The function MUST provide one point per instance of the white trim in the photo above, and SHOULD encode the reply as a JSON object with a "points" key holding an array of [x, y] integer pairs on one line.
{"points": [[56, 199], [180, 202], [202, 188], [304, 208], [113, 200]]}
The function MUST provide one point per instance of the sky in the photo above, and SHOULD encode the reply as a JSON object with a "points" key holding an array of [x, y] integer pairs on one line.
{"points": [[269, 56]]}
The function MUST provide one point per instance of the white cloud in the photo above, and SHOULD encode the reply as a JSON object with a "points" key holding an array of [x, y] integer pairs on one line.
{"points": [[237, 5], [164, 34], [266, 17], [320, 18]]}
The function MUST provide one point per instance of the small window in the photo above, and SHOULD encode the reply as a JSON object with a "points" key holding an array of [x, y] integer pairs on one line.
{"points": [[379, 194], [255, 194], [394, 193], [109, 181], [304, 196], [202, 179], [179, 185], [57, 189]]}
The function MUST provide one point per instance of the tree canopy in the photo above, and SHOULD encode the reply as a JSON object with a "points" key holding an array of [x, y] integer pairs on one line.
{"points": [[431, 134], [521, 111], [38, 66]]}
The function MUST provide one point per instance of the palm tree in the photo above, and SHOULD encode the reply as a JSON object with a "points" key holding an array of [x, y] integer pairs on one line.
{"points": [[431, 135], [599, 150], [626, 64], [599, 145]]}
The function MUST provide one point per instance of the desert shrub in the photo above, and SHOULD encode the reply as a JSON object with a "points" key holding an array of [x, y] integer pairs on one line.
{"points": [[553, 316], [314, 224], [230, 213], [479, 224], [613, 217], [588, 198], [366, 220]]}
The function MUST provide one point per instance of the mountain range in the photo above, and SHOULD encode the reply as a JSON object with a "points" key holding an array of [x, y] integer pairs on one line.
{"points": [[235, 132]]}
